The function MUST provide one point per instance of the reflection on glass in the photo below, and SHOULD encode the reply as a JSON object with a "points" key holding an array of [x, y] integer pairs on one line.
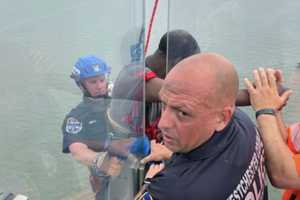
{"points": [[85, 128], [106, 133], [230, 28], [41, 40]]}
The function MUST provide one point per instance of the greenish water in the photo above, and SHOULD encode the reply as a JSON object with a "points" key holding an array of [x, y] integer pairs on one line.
{"points": [[40, 40]]}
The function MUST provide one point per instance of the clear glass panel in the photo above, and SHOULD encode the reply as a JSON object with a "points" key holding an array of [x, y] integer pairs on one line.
{"points": [[159, 22], [40, 43], [246, 34], [251, 34]]}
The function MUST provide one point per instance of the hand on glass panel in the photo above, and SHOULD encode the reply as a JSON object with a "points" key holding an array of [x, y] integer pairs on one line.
{"points": [[263, 93], [111, 166], [154, 169], [159, 152]]}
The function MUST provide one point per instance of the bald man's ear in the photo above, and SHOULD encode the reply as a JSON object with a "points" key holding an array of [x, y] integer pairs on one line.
{"points": [[224, 117]]}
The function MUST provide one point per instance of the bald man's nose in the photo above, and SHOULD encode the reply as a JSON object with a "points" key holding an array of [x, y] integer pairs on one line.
{"points": [[166, 119]]}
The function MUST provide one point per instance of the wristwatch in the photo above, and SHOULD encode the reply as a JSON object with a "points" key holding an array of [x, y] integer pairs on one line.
{"points": [[265, 111], [98, 162]]}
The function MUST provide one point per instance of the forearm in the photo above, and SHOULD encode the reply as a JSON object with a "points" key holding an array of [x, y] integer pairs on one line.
{"points": [[153, 87], [243, 98], [82, 153], [279, 160], [282, 127]]}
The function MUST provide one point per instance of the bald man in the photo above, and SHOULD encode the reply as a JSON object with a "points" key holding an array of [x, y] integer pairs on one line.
{"points": [[217, 151]]}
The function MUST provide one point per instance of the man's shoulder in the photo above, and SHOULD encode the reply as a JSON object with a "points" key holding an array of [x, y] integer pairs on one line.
{"points": [[241, 115], [82, 108], [75, 115], [189, 180], [243, 122]]}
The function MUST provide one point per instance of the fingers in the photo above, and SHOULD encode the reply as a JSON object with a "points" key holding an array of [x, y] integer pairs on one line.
{"points": [[115, 167], [157, 167], [161, 166], [257, 79], [272, 79], [285, 96], [154, 169], [249, 86], [263, 77], [278, 76], [150, 157], [264, 91], [146, 159], [152, 143]]}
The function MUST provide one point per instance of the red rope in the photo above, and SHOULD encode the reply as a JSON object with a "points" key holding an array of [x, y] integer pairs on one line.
{"points": [[150, 26]]}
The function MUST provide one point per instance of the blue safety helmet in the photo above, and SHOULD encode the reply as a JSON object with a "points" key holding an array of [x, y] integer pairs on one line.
{"points": [[89, 66]]}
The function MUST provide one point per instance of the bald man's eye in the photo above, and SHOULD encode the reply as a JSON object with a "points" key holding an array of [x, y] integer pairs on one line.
{"points": [[182, 114]]}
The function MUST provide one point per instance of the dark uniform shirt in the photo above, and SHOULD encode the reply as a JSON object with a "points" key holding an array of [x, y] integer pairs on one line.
{"points": [[87, 123], [228, 166]]}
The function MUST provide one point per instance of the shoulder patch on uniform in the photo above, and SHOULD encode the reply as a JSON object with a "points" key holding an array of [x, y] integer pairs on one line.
{"points": [[73, 125]]}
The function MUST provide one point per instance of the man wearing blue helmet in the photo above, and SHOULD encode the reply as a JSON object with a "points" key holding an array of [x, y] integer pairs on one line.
{"points": [[85, 129], [91, 75]]}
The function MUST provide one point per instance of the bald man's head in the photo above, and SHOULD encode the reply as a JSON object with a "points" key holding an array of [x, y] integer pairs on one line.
{"points": [[209, 75], [198, 99]]}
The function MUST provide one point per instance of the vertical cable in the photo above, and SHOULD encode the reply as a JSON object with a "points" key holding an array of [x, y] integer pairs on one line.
{"points": [[150, 25], [168, 29]]}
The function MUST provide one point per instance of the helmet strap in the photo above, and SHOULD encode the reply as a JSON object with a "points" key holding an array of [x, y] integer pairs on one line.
{"points": [[83, 89]]}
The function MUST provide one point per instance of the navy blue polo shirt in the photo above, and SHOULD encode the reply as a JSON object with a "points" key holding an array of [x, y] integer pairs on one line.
{"points": [[87, 123], [230, 165]]}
